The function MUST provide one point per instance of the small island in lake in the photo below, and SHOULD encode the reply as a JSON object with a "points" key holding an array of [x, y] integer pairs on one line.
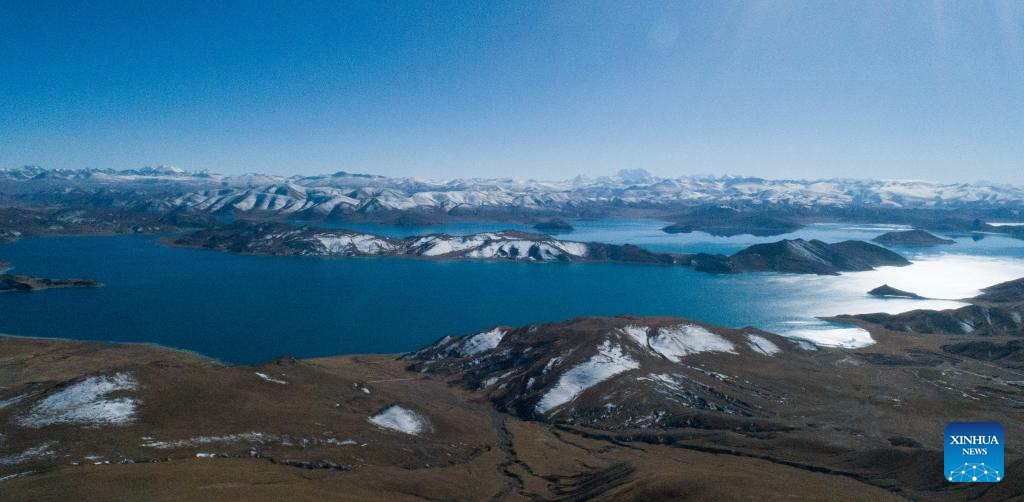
{"points": [[911, 238], [887, 291], [10, 282], [727, 222], [554, 226]]}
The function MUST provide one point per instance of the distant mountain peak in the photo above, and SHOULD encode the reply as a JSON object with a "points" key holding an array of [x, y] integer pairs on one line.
{"points": [[635, 176]]}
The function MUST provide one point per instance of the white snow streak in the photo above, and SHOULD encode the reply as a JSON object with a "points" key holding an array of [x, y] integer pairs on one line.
{"points": [[41, 451], [762, 345], [271, 379], [12, 401], [609, 361]]}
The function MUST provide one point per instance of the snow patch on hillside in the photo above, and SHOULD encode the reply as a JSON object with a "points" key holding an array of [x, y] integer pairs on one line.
{"points": [[44, 450], [573, 248], [665, 383], [637, 333], [438, 245], [849, 338], [400, 419], [482, 342], [554, 361], [527, 250], [495, 379], [762, 345], [86, 403], [677, 342], [346, 244], [609, 361], [268, 378]]}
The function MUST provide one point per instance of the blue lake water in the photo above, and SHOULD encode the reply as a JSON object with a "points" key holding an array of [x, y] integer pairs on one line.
{"points": [[247, 309]]}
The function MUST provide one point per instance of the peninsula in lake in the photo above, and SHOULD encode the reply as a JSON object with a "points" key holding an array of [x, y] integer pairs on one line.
{"points": [[22, 282], [9, 282], [791, 256], [802, 257]]}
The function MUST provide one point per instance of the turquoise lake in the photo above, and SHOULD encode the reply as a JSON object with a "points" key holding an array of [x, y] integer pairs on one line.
{"points": [[246, 309]]}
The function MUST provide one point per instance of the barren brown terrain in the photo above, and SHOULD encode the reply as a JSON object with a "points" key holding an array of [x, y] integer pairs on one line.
{"points": [[839, 424]]}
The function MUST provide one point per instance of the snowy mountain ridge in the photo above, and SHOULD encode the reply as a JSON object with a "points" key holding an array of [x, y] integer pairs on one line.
{"points": [[319, 196]]}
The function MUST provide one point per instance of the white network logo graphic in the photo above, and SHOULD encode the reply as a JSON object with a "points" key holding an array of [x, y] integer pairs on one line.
{"points": [[971, 472]]}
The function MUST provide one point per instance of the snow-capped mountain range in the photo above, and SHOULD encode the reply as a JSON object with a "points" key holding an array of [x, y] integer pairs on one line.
{"points": [[320, 196]]}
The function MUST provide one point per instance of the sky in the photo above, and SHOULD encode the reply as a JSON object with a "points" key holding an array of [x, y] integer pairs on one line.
{"points": [[927, 90]]}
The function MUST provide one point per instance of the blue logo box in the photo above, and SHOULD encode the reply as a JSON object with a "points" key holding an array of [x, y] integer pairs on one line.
{"points": [[974, 452]]}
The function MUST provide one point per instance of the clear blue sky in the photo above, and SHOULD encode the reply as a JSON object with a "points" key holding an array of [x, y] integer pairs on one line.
{"points": [[931, 90]]}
